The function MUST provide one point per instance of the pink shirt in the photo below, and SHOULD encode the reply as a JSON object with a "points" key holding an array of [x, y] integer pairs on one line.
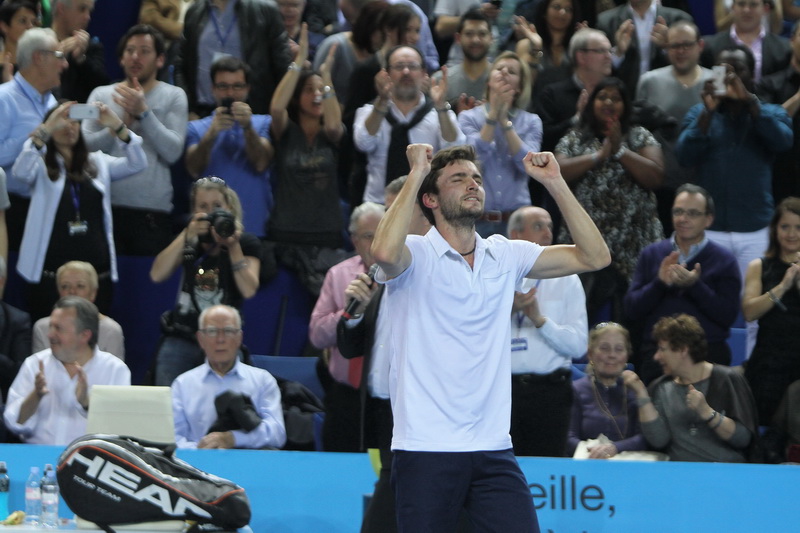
{"points": [[326, 313]]}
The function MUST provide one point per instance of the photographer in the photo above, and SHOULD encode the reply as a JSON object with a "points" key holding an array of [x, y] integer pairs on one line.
{"points": [[220, 265], [233, 142]]}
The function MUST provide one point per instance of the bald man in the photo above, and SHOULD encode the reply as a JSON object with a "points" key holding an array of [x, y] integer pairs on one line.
{"points": [[548, 329]]}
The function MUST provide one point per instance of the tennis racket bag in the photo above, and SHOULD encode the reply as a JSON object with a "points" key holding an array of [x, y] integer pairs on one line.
{"points": [[110, 479]]}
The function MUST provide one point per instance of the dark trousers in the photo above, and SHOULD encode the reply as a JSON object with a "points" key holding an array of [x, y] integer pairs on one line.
{"points": [[16, 215], [380, 516], [604, 287], [341, 430], [540, 411], [433, 487], [141, 232]]}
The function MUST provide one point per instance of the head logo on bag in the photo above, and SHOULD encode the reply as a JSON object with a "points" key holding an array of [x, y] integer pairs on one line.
{"points": [[120, 481], [108, 479]]}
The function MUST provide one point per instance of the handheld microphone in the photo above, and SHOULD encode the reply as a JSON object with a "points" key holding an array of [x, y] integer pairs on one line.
{"points": [[353, 304]]}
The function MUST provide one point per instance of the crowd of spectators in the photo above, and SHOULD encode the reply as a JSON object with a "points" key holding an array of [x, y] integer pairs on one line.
{"points": [[283, 119]]}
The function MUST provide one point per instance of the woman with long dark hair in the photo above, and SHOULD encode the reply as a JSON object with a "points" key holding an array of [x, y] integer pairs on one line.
{"points": [[70, 213], [554, 22], [613, 167], [353, 46], [306, 129], [772, 296]]}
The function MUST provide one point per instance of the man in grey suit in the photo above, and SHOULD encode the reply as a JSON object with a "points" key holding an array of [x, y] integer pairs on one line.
{"points": [[638, 31]]}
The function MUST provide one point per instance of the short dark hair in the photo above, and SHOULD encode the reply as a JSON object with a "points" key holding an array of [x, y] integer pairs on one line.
{"points": [[440, 160], [142, 29], [398, 47], [749, 57], [229, 64], [9, 9], [86, 315], [682, 331], [691, 188], [474, 14]]}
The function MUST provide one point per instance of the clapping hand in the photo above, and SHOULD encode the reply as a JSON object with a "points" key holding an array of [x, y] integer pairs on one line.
{"points": [[40, 382], [439, 90]]}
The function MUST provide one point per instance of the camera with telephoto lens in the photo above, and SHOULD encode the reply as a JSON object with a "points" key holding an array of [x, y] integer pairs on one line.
{"points": [[223, 222]]}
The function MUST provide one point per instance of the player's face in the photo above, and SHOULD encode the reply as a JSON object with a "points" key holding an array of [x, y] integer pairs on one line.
{"points": [[461, 195]]}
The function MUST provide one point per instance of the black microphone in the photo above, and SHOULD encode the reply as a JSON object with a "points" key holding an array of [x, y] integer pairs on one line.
{"points": [[353, 304]]}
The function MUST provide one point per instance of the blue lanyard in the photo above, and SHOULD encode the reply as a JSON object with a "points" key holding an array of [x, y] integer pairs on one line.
{"points": [[214, 20], [75, 188]]}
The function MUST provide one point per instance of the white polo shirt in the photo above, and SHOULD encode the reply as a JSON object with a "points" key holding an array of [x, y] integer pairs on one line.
{"points": [[450, 381]]}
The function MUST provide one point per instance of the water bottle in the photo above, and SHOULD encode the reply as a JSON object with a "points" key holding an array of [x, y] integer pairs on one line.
{"points": [[4, 486], [50, 500], [47, 468], [33, 497]]}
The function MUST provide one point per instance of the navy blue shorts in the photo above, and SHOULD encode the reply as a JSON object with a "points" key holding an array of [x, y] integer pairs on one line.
{"points": [[433, 487]]}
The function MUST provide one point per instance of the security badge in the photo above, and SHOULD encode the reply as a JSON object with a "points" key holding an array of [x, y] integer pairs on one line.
{"points": [[519, 344], [78, 227]]}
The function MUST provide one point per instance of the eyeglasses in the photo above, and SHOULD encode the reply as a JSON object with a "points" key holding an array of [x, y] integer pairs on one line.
{"points": [[229, 86], [364, 236], [58, 54], [228, 332], [600, 51], [751, 5], [210, 179], [400, 67], [691, 213], [681, 46]]}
